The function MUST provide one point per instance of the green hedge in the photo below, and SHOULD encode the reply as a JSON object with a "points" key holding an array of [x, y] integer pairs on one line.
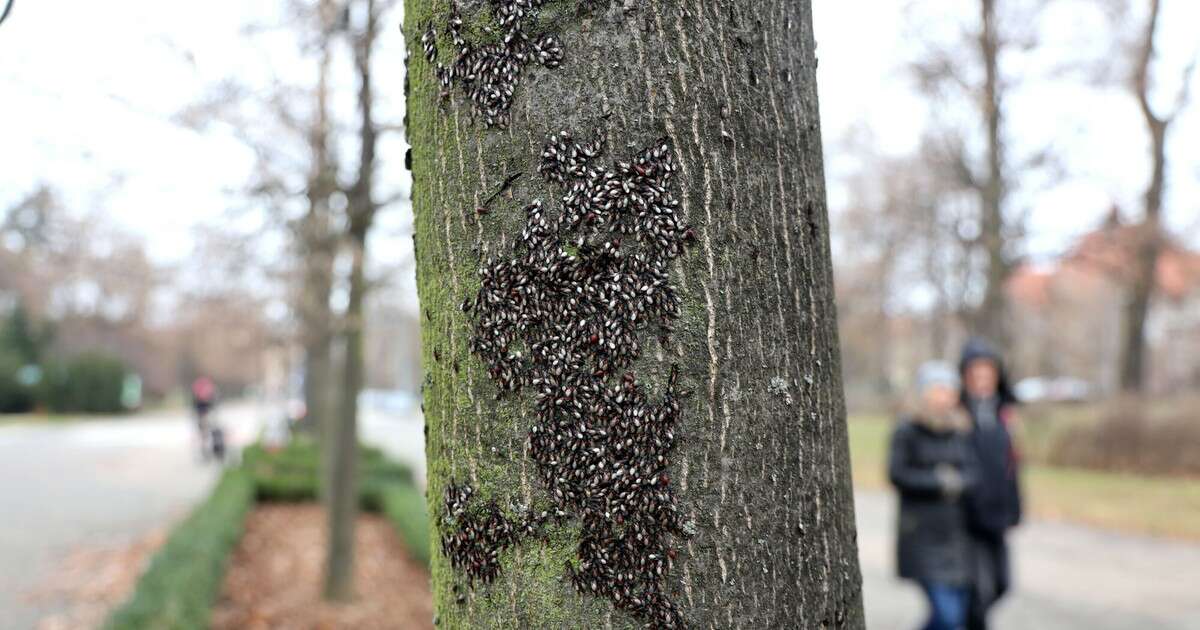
{"points": [[293, 474], [385, 486], [89, 383], [15, 397], [404, 506], [177, 591]]}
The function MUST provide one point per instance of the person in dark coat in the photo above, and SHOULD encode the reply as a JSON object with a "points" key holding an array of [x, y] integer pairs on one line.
{"points": [[930, 463], [994, 505]]}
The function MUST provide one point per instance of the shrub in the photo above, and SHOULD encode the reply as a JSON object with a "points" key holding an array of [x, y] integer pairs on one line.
{"points": [[1129, 439], [15, 397], [293, 473], [89, 383], [404, 505], [183, 580], [385, 486]]}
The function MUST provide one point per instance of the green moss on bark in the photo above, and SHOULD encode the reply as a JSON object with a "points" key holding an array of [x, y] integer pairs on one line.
{"points": [[463, 420]]}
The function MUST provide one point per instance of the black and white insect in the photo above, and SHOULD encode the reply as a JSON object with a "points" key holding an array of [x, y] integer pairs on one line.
{"points": [[562, 320], [488, 74], [429, 43]]}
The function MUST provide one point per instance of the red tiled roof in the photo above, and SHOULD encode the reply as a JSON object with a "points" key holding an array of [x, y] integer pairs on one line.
{"points": [[1111, 251]]}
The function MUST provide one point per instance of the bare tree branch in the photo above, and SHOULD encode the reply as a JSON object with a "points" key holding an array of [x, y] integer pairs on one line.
{"points": [[7, 9], [1141, 72], [391, 199], [1185, 90]]}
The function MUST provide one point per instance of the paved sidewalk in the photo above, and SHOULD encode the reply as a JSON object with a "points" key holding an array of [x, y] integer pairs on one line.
{"points": [[66, 486], [1067, 578]]}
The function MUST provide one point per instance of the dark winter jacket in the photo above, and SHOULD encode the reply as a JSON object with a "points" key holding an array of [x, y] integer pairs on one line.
{"points": [[933, 541], [995, 504]]}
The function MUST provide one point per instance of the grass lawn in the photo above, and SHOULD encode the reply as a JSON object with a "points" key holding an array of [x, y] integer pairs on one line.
{"points": [[33, 418], [169, 406], [1160, 506]]}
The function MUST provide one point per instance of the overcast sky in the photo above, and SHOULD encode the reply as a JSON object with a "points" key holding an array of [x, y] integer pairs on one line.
{"points": [[1099, 133], [90, 96], [88, 92]]}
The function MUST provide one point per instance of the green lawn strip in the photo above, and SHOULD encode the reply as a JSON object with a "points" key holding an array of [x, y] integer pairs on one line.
{"points": [[1157, 506], [178, 589]]}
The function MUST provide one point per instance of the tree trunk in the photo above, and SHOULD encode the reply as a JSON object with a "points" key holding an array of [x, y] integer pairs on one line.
{"points": [[756, 494], [342, 447], [316, 316], [317, 321], [992, 318], [1137, 306], [343, 442], [1149, 242]]}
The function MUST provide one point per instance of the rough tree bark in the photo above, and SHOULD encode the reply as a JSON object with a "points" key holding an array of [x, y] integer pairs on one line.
{"points": [[760, 470]]}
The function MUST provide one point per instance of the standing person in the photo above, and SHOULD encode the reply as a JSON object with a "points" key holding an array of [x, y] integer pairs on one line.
{"points": [[204, 396], [994, 506], [930, 462]]}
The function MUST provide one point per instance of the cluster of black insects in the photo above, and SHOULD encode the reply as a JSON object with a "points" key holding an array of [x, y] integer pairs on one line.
{"points": [[562, 317], [481, 534], [488, 74]]}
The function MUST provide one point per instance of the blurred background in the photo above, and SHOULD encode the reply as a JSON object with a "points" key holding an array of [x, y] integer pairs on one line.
{"points": [[1023, 169]]}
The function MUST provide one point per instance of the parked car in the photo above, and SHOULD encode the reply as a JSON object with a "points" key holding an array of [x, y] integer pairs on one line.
{"points": [[1054, 389], [393, 401]]}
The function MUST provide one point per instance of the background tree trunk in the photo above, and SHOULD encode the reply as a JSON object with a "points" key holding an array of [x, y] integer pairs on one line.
{"points": [[761, 469], [319, 245], [1150, 233], [992, 317], [342, 442]]}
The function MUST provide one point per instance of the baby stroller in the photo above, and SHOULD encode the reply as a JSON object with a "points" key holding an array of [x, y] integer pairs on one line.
{"points": [[216, 442]]}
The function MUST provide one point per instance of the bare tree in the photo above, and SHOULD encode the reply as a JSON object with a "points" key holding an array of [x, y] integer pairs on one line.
{"points": [[904, 273], [300, 151], [993, 310], [1150, 237], [966, 72], [317, 241], [100, 290], [621, 233], [362, 206], [293, 133]]}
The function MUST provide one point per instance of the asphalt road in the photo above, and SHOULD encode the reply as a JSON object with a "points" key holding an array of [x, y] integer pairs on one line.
{"points": [[68, 486], [90, 484], [1067, 578]]}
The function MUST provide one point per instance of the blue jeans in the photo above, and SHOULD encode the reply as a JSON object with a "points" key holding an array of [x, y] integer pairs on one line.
{"points": [[947, 606]]}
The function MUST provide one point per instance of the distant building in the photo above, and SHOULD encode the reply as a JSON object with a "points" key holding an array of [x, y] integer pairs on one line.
{"points": [[1069, 314]]}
